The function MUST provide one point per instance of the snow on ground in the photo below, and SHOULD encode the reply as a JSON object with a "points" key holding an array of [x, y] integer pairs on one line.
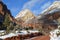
{"points": [[8, 35], [2, 31], [23, 32], [54, 36], [33, 31]]}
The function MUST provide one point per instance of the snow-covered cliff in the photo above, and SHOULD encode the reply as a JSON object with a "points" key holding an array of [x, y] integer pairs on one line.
{"points": [[55, 34]]}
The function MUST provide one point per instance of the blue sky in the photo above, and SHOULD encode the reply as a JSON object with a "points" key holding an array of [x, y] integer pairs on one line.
{"points": [[36, 6]]}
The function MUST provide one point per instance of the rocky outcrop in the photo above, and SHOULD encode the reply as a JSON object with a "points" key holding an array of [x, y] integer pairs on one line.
{"points": [[5, 12], [25, 15]]}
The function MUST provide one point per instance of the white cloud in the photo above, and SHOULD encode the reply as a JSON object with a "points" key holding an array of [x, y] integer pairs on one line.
{"points": [[46, 5], [43, 7], [31, 4]]}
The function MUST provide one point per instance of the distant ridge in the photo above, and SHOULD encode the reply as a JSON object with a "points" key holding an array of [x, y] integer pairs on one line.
{"points": [[55, 5]]}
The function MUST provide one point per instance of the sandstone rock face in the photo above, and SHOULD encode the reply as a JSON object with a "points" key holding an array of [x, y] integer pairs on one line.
{"points": [[3, 12], [25, 15]]}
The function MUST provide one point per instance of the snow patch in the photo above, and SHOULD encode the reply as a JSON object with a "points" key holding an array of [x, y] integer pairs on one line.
{"points": [[22, 13], [7, 36], [23, 32], [54, 36], [55, 5]]}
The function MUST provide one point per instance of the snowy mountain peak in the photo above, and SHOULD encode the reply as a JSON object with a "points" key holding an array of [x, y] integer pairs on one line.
{"points": [[22, 13], [55, 5], [25, 15]]}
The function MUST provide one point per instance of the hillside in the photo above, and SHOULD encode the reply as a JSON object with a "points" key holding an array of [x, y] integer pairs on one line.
{"points": [[7, 21], [47, 21]]}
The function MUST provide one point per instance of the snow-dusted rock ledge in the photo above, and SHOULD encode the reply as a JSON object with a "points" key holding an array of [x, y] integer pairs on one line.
{"points": [[23, 32], [53, 35], [8, 35]]}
